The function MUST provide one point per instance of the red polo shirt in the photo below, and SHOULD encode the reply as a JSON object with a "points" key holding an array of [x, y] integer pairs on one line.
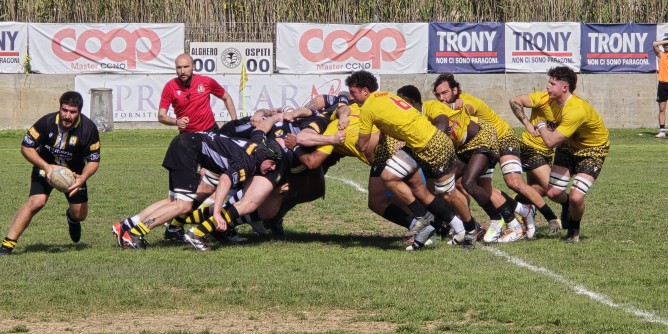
{"points": [[193, 102]]}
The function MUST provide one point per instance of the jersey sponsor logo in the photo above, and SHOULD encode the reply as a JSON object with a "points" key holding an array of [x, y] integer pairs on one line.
{"points": [[94, 157], [235, 178], [28, 140], [96, 45], [73, 141], [242, 175], [387, 44]]}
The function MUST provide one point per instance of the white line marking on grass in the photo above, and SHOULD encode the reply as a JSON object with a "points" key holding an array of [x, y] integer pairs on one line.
{"points": [[577, 288], [353, 184]]}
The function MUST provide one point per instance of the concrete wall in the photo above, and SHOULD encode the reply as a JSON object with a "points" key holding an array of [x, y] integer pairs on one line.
{"points": [[623, 100]]}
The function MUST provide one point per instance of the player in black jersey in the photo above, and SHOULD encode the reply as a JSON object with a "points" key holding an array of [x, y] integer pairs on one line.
{"points": [[63, 138], [230, 161]]}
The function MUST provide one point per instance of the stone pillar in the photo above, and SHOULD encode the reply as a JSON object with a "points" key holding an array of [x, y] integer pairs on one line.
{"points": [[101, 110]]}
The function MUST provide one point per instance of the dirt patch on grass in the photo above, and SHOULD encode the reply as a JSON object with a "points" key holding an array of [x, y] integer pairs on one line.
{"points": [[212, 322]]}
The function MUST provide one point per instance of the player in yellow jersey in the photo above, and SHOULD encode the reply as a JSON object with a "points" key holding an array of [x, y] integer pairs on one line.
{"points": [[424, 147], [535, 155], [581, 128], [476, 146], [448, 90], [378, 201]]}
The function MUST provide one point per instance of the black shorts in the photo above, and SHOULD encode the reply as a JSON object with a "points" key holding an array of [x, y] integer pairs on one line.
{"points": [[662, 92], [39, 185], [181, 162], [317, 123]]}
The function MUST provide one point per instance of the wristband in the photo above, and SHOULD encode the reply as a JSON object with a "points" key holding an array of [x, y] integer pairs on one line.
{"points": [[539, 126]]}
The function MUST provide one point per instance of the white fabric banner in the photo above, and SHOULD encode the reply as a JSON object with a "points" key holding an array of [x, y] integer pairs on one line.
{"points": [[537, 47], [228, 58], [105, 48], [382, 48], [13, 46], [137, 97]]}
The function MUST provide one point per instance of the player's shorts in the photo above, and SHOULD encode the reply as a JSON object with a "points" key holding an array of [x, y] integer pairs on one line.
{"points": [[181, 162], [510, 144], [662, 92], [484, 142], [317, 123], [384, 150], [533, 158], [437, 158], [586, 160], [39, 185]]}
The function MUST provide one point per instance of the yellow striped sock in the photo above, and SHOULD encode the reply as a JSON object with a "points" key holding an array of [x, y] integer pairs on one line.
{"points": [[9, 243], [140, 229]]}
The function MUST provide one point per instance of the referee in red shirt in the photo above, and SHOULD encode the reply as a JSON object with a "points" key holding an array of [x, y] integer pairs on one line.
{"points": [[189, 94]]}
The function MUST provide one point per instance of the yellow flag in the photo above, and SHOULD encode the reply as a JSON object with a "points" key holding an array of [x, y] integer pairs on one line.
{"points": [[244, 76]]}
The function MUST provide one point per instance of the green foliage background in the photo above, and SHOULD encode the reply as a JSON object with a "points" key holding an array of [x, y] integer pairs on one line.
{"points": [[254, 21]]}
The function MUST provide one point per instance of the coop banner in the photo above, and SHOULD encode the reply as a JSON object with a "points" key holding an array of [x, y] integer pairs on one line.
{"points": [[466, 48], [618, 47], [13, 46], [537, 47], [231, 58], [105, 48], [137, 97], [382, 48]]}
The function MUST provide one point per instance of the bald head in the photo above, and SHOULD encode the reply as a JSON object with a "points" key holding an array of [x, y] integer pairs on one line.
{"points": [[184, 68]]}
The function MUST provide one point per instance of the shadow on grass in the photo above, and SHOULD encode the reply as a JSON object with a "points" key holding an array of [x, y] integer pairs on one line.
{"points": [[51, 248], [341, 240]]}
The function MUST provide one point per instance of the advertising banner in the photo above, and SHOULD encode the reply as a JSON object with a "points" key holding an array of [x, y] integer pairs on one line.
{"points": [[13, 46], [381, 48], [137, 97], [105, 48], [229, 58], [466, 48], [537, 47], [618, 47]]}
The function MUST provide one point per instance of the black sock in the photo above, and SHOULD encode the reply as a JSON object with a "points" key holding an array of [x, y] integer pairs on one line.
{"points": [[520, 198], [440, 209], [417, 208], [507, 210], [469, 226], [547, 212], [574, 225], [398, 216], [490, 210], [249, 218], [565, 216]]}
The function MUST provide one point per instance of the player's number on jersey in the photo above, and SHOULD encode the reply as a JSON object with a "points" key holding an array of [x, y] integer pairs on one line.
{"points": [[401, 103]]}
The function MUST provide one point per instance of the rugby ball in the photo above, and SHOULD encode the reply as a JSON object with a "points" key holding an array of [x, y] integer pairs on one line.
{"points": [[61, 178]]}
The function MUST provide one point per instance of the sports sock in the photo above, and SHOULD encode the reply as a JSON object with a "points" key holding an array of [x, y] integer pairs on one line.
{"points": [[69, 217], [520, 198], [249, 218], [9, 243], [575, 225], [199, 215], [547, 212], [129, 223], [398, 216], [229, 213], [490, 210], [417, 208], [140, 229], [440, 209]]}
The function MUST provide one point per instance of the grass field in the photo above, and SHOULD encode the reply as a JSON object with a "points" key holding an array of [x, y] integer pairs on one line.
{"points": [[340, 268]]}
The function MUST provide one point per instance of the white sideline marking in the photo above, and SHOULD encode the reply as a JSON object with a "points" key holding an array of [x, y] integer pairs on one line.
{"points": [[577, 288], [357, 186]]}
